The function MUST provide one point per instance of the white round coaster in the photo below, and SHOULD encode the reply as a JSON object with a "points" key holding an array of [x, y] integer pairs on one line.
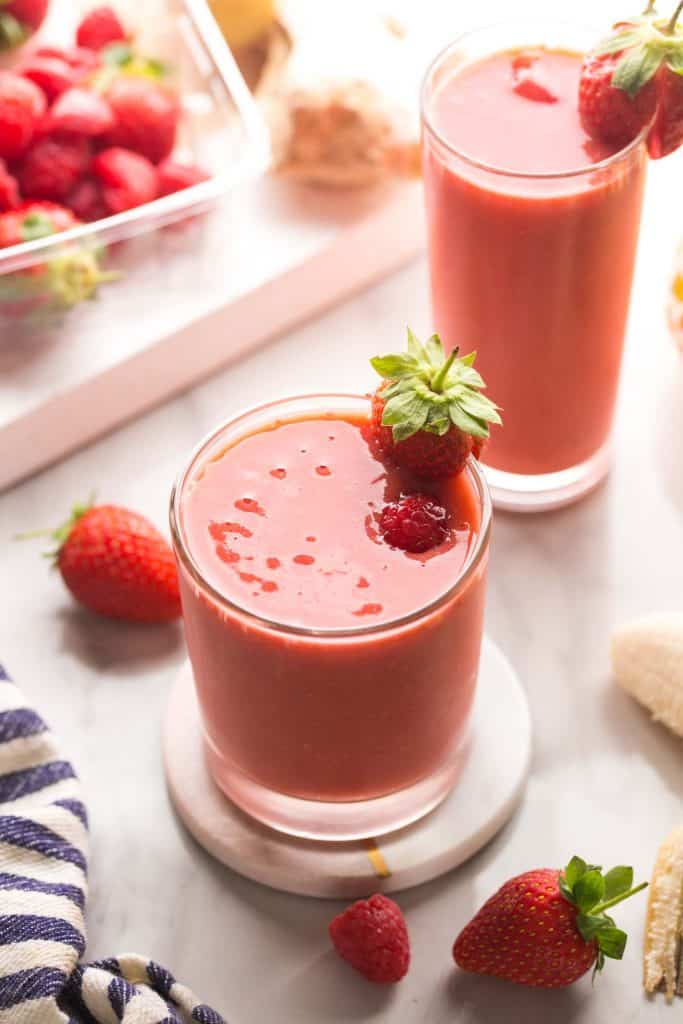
{"points": [[485, 797]]}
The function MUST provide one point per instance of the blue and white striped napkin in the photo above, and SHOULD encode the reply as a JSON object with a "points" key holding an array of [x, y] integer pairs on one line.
{"points": [[43, 888]]}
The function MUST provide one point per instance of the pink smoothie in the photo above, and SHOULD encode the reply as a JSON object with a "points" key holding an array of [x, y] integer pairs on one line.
{"points": [[281, 525], [532, 272]]}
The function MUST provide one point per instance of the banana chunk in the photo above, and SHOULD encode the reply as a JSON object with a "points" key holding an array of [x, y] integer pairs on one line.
{"points": [[663, 953], [647, 658]]}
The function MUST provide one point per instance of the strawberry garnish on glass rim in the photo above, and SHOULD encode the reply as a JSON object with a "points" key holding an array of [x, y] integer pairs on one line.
{"points": [[430, 415], [634, 78]]}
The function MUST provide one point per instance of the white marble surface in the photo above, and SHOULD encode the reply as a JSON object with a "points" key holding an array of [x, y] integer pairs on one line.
{"points": [[605, 782]]}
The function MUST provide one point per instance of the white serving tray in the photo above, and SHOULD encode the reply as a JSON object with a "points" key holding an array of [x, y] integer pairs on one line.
{"points": [[272, 255]]}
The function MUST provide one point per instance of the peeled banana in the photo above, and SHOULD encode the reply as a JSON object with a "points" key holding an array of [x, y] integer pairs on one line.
{"points": [[647, 658], [662, 967]]}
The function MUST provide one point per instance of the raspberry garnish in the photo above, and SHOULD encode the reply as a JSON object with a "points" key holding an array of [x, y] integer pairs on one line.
{"points": [[415, 523], [371, 935]]}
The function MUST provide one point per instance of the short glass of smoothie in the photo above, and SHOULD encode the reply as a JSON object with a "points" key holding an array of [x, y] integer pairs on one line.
{"points": [[532, 231], [335, 674]]}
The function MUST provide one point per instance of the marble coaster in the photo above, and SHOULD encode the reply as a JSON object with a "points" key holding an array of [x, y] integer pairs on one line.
{"points": [[489, 789]]}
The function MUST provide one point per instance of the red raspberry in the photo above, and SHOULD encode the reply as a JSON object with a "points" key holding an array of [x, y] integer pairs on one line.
{"points": [[146, 115], [87, 201], [128, 179], [81, 112], [9, 189], [52, 167], [22, 104], [416, 523], [99, 28], [174, 177], [51, 74], [371, 935]]}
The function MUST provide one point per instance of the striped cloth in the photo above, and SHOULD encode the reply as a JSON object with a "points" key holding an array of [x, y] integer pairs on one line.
{"points": [[43, 888]]}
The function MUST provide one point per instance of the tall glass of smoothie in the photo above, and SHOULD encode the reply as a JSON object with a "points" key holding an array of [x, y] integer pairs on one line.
{"points": [[335, 673], [532, 239]]}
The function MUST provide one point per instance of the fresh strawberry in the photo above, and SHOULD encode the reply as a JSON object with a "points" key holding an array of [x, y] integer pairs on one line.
{"points": [[99, 28], [22, 105], [666, 132], [116, 564], [174, 177], [9, 189], [546, 928], [633, 79], [430, 415], [372, 936], [81, 112], [147, 116], [19, 19], [53, 166], [607, 111], [34, 220], [415, 523], [127, 178], [63, 281], [87, 201], [51, 74]]}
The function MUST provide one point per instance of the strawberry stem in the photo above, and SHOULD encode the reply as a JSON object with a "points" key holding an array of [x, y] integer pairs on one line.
{"points": [[32, 534], [440, 379], [601, 907], [61, 534], [671, 27]]}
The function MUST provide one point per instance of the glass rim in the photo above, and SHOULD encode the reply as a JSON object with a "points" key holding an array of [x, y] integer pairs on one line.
{"points": [[189, 563], [482, 165]]}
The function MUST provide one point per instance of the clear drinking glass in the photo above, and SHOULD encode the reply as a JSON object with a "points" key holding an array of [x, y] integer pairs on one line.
{"points": [[333, 733], [533, 270]]}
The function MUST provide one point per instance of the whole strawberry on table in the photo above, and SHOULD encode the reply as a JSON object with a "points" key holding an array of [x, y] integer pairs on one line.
{"points": [[547, 928], [116, 564], [88, 128], [632, 82]]}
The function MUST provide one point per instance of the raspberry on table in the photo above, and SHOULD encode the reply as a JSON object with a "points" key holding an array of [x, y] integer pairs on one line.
{"points": [[372, 936], [415, 523]]}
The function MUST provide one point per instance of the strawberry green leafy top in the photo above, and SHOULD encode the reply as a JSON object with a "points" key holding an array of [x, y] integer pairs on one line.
{"points": [[592, 893], [648, 42], [428, 391]]}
